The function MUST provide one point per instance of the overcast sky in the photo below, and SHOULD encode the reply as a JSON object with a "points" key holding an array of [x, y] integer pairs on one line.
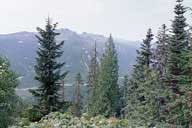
{"points": [[128, 19]]}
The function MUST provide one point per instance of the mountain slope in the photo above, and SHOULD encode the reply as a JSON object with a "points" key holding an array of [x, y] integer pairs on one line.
{"points": [[20, 48]]}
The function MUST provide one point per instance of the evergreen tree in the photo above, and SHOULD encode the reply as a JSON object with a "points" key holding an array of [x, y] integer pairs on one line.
{"points": [[161, 52], [143, 88], [93, 68], [161, 59], [145, 55], [178, 71], [8, 98], [107, 92], [48, 70], [178, 46], [92, 80], [143, 58], [77, 105]]}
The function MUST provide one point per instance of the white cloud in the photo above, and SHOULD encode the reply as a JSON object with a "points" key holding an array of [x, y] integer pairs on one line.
{"points": [[124, 18]]}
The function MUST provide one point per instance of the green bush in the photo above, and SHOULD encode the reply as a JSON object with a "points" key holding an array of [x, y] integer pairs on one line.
{"points": [[34, 114], [59, 120]]}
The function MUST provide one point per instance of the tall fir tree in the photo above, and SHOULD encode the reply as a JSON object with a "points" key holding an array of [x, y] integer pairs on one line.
{"points": [[48, 70], [107, 92], [143, 88], [77, 105], [137, 77], [160, 66], [161, 51], [92, 80], [177, 75], [93, 68], [178, 45]]}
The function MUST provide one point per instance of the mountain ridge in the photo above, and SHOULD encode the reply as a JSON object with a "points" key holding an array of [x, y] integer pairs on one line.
{"points": [[20, 48]]}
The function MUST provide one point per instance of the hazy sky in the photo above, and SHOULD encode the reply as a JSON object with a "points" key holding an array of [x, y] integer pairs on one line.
{"points": [[128, 19]]}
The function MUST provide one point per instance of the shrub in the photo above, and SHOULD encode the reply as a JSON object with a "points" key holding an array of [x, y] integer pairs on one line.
{"points": [[34, 114], [59, 120]]}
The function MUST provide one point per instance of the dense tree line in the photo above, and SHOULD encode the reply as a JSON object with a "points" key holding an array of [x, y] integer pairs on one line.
{"points": [[158, 92], [159, 89]]}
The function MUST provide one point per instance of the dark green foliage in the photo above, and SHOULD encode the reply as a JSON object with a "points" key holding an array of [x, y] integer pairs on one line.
{"points": [[144, 57], [145, 54], [143, 100], [107, 90], [48, 70], [143, 89], [8, 99], [34, 114], [178, 45], [177, 70]]}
